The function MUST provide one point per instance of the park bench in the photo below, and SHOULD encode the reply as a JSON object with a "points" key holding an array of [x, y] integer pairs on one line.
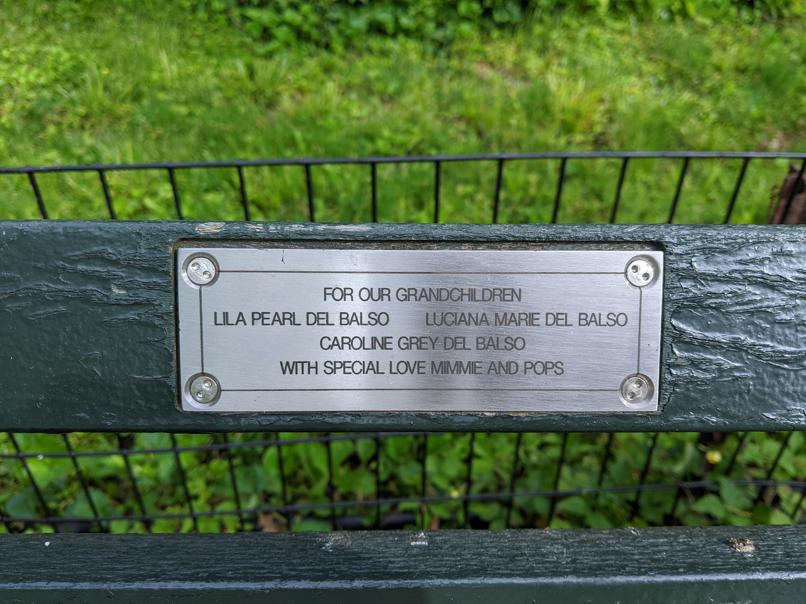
{"points": [[88, 325]]}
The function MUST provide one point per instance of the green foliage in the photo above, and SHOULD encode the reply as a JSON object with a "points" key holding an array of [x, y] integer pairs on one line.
{"points": [[86, 83], [335, 24], [358, 470]]}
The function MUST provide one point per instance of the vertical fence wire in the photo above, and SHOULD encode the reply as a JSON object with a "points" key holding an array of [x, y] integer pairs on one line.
{"points": [[736, 452], [145, 519], [331, 487], [175, 192], [7, 523], [110, 208], [604, 461], [499, 179], [794, 515], [773, 466], [622, 175], [233, 476], [471, 446], [373, 185], [679, 491], [289, 516], [40, 497], [40, 203], [423, 460], [558, 195], [736, 188], [557, 476], [678, 190], [85, 488], [244, 195], [309, 193], [377, 477], [437, 188], [635, 505], [796, 188], [183, 481], [513, 476]]}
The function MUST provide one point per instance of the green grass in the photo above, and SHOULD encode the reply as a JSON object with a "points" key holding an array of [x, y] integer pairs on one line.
{"points": [[125, 82], [90, 83]]}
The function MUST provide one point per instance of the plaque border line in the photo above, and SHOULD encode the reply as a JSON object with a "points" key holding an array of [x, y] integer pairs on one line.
{"points": [[640, 318], [201, 328], [267, 271], [419, 389], [429, 272]]}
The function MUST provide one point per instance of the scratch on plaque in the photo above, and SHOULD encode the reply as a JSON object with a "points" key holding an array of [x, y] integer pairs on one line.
{"points": [[209, 228], [419, 539]]}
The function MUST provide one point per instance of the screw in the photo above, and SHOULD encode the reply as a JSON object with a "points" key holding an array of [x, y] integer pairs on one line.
{"points": [[641, 271], [636, 389], [201, 270], [204, 389]]}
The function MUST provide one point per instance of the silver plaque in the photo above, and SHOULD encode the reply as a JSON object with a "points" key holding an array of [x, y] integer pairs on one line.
{"points": [[302, 329]]}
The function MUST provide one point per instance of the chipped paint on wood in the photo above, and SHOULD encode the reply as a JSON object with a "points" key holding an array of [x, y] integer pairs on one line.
{"points": [[209, 228]]}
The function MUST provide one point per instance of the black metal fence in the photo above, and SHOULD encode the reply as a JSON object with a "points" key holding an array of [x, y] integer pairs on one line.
{"points": [[271, 482], [276, 482], [680, 164]]}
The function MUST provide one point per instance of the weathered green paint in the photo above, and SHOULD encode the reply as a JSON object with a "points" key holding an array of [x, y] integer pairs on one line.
{"points": [[88, 332], [723, 564]]}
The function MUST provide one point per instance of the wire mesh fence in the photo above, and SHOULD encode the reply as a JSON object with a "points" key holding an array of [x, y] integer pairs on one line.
{"points": [[159, 482], [277, 482], [583, 187]]}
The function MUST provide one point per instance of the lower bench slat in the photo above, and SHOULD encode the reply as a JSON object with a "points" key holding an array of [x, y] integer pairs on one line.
{"points": [[750, 564]]}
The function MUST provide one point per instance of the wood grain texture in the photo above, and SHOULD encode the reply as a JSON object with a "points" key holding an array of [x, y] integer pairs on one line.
{"points": [[88, 331], [722, 564]]}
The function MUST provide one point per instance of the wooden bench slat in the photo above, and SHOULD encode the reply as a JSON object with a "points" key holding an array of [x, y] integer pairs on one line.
{"points": [[87, 326]]}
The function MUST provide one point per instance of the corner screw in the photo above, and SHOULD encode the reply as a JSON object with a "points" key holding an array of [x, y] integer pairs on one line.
{"points": [[641, 271], [204, 389], [636, 389], [201, 270]]}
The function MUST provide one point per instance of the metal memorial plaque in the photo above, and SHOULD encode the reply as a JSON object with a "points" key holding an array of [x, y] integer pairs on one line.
{"points": [[301, 329]]}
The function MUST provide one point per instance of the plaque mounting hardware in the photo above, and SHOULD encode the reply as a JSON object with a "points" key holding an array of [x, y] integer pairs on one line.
{"points": [[636, 389], [201, 269], [203, 389], [641, 271]]}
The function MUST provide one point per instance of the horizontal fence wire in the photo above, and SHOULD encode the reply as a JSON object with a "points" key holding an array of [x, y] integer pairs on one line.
{"points": [[279, 482], [240, 482], [404, 159]]}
